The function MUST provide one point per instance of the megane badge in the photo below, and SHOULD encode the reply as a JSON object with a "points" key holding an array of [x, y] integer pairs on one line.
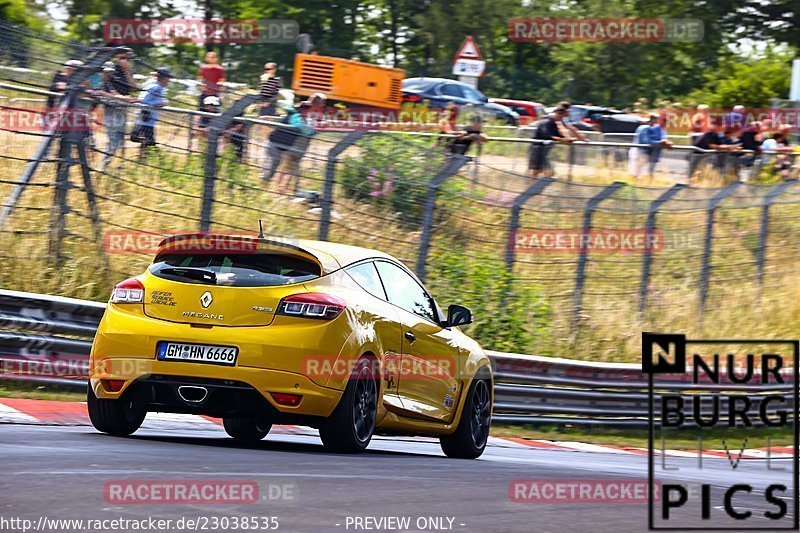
{"points": [[206, 299]]}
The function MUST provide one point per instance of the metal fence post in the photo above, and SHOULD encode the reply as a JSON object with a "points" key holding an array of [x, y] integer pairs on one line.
{"points": [[650, 227], [451, 166], [58, 226], [763, 231], [215, 128], [516, 209], [326, 202], [583, 257], [705, 267], [570, 160]]}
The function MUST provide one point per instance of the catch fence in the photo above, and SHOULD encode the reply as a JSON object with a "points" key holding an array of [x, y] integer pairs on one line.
{"points": [[575, 265]]}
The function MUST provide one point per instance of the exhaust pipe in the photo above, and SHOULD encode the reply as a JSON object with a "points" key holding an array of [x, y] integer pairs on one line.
{"points": [[192, 393]]}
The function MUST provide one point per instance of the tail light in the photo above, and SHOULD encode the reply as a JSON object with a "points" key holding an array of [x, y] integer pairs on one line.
{"points": [[412, 98], [292, 400], [130, 291], [312, 305]]}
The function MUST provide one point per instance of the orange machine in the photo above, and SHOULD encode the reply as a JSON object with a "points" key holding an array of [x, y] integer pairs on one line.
{"points": [[348, 81]]}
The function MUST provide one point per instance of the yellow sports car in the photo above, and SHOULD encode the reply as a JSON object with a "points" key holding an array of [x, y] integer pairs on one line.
{"points": [[259, 332]]}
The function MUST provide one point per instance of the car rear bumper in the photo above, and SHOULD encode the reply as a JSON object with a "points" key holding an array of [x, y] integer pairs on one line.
{"points": [[155, 384]]}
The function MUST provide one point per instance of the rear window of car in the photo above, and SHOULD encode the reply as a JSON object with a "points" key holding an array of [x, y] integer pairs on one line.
{"points": [[235, 270]]}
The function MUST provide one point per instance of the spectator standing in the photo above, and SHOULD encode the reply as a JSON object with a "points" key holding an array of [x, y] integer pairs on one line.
{"points": [[59, 82], [546, 133], [153, 97], [211, 76], [639, 156], [701, 122], [735, 120], [268, 87], [117, 88]]}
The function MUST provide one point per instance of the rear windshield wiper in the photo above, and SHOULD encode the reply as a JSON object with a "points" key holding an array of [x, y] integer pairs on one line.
{"points": [[194, 274]]}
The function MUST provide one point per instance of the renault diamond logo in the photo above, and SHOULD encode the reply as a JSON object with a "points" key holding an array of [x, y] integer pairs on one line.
{"points": [[206, 299]]}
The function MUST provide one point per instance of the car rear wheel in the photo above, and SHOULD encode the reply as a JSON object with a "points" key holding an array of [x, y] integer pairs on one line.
{"points": [[115, 417], [469, 439], [349, 429], [246, 428]]}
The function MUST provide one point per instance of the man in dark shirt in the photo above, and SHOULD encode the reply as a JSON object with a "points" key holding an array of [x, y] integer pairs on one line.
{"points": [[547, 130], [460, 145], [117, 87], [59, 82]]}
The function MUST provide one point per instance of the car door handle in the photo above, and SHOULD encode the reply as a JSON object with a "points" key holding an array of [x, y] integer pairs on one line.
{"points": [[410, 337]]}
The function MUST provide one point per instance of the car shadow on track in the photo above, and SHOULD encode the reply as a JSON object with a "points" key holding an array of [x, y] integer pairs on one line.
{"points": [[264, 445]]}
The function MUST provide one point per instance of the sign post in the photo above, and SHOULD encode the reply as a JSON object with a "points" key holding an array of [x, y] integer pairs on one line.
{"points": [[469, 65]]}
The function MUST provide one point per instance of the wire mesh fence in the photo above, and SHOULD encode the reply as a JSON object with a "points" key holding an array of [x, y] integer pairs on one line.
{"points": [[574, 265]]}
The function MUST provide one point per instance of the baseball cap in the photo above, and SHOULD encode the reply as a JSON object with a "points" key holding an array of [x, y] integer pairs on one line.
{"points": [[164, 72], [74, 63]]}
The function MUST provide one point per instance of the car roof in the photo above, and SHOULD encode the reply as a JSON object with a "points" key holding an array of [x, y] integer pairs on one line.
{"points": [[437, 80], [516, 102], [331, 256]]}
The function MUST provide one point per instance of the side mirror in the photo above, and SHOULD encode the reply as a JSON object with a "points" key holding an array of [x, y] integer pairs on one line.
{"points": [[458, 315]]}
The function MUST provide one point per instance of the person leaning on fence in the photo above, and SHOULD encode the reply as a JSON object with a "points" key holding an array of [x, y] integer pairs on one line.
{"points": [[153, 97], [548, 132], [711, 140], [211, 104], [776, 150], [268, 87], [473, 134], [59, 82], [566, 127]]}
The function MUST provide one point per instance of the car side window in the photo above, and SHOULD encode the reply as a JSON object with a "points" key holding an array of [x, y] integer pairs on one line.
{"points": [[451, 89], [472, 94], [367, 277], [404, 291]]}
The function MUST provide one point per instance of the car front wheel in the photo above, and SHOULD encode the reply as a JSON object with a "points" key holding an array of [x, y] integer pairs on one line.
{"points": [[349, 429], [470, 437], [115, 417]]}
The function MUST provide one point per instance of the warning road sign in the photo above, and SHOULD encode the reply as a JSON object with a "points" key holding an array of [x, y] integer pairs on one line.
{"points": [[469, 50]]}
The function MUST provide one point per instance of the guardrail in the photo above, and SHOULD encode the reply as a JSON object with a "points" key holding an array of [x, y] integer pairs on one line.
{"points": [[47, 339]]}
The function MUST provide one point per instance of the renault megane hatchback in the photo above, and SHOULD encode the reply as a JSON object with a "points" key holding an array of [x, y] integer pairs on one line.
{"points": [[259, 332]]}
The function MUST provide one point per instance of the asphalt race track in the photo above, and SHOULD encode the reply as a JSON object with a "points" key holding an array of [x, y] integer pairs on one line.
{"points": [[61, 472]]}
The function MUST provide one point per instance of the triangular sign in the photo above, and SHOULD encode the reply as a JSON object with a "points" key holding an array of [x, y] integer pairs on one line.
{"points": [[468, 50]]}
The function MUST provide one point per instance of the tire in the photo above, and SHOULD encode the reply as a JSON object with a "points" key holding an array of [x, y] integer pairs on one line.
{"points": [[115, 417], [470, 437], [246, 428], [349, 429]]}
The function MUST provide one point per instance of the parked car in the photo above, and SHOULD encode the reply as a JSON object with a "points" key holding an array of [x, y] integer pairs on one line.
{"points": [[261, 332], [439, 92], [604, 119], [529, 112]]}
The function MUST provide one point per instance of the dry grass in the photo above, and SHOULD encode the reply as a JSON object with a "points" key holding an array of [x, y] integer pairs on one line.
{"points": [[165, 197]]}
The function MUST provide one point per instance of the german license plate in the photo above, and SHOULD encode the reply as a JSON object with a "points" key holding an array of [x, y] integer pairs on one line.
{"points": [[197, 353]]}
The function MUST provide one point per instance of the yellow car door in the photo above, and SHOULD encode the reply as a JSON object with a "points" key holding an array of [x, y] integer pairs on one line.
{"points": [[428, 386]]}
